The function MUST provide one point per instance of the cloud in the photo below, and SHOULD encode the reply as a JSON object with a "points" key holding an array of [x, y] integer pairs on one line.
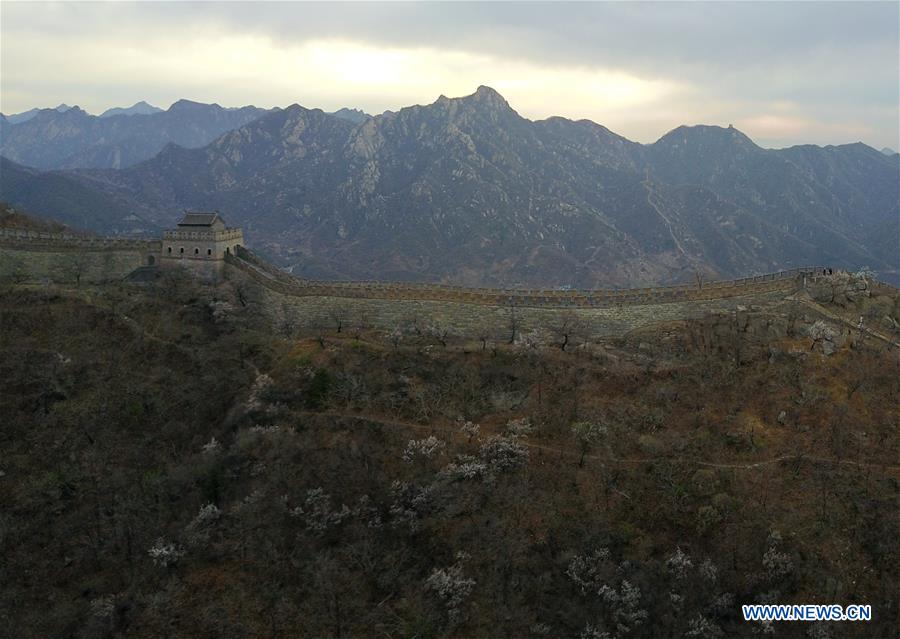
{"points": [[639, 68]]}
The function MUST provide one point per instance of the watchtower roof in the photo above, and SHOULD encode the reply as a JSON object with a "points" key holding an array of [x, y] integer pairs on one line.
{"points": [[201, 218]]}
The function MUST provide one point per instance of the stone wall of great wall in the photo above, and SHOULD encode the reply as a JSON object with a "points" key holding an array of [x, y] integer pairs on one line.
{"points": [[475, 312], [39, 256], [389, 305]]}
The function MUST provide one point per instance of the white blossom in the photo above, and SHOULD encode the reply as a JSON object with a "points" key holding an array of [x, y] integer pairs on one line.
{"points": [[262, 383], [367, 512], [627, 613], [103, 607], [703, 628], [212, 447], [469, 429], [679, 564], [317, 512], [593, 632], [764, 628], [208, 514], [776, 563], [164, 554], [451, 587], [530, 341], [519, 427], [502, 453], [409, 503], [422, 448], [708, 570], [587, 570], [465, 467]]}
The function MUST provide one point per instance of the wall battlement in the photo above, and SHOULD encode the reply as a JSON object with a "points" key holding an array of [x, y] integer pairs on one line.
{"points": [[267, 275], [489, 313], [388, 305], [39, 239], [200, 245]]}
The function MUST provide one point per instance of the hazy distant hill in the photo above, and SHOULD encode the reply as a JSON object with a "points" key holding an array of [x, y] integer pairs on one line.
{"points": [[467, 190], [18, 118], [67, 199], [75, 139], [139, 108], [355, 116]]}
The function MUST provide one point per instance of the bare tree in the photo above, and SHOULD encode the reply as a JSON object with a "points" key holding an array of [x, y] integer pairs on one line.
{"points": [[483, 336], [363, 320], [338, 313], [699, 278], [287, 320], [73, 267], [513, 321], [395, 337], [438, 331], [568, 328], [587, 434]]}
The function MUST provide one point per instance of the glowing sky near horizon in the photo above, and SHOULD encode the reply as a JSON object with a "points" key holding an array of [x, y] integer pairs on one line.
{"points": [[824, 73]]}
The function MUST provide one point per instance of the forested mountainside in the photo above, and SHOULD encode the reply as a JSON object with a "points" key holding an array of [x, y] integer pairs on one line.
{"points": [[173, 465], [466, 190], [72, 139]]}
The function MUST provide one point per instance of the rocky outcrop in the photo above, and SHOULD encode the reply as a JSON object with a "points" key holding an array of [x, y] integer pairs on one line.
{"points": [[839, 287]]}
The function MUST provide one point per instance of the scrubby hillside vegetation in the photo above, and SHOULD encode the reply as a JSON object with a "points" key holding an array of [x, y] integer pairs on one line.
{"points": [[12, 218], [171, 465]]}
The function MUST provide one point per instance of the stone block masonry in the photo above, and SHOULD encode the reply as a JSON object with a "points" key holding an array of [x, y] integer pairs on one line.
{"points": [[467, 312], [491, 313], [38, 257], [492, 321]]}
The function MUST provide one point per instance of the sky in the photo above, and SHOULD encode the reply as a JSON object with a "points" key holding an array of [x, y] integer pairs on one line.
{"points": [[784, 73]]}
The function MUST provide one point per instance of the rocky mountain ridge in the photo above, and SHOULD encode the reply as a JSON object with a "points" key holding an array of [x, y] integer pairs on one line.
{"points": [[75, 139], [466, 190]]}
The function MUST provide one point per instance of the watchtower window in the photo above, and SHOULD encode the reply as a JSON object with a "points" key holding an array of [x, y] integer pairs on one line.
{"points": [[209, 251], [170, 249], [196, 251], [181, 250]]}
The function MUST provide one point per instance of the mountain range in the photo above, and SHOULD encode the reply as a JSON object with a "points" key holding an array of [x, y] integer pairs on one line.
{"points": [[138, 108], [73, 138], [466, 190], [24, 116]]}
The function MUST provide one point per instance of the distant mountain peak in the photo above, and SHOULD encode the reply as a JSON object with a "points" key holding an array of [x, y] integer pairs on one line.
{"points": [[488, 96], [356, 116], [485, 100], [184, 105], [888, 151], [485, 91], [19, 118], [138, 108], [706, 133]]}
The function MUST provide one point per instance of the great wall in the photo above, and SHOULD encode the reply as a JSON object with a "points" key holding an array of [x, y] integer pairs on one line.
{"points": [[458, 310]]}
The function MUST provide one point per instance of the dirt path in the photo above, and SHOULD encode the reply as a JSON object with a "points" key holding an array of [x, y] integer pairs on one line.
{"points": [[837, 318], [452, 432]]}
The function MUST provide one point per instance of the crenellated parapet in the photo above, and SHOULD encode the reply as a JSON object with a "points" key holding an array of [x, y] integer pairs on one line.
{"points": [[275, 279], [37, 239]]}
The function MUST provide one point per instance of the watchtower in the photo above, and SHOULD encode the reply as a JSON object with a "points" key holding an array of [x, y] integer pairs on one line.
{"points": [[201, 241]]}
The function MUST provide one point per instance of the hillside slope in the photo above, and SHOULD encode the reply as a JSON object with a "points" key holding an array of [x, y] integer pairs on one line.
{"points": [[173, 466]]}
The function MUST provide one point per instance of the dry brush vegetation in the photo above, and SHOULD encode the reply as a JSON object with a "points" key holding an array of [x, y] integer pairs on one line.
{"points": [[173, 466]]}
